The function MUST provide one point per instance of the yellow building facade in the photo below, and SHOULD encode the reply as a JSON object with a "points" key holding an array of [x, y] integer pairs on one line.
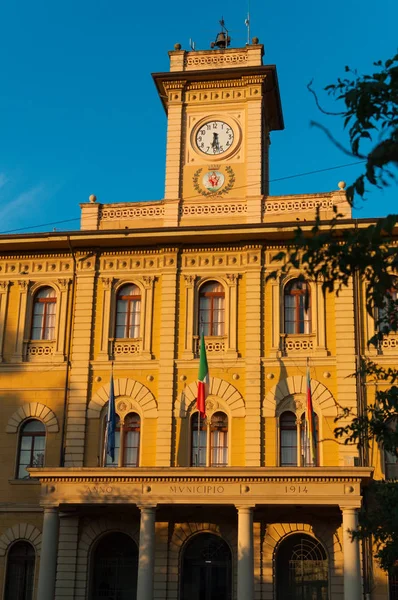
{"points": [[235, 511]]}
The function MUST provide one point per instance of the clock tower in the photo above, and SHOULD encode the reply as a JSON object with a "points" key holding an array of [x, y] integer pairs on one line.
{"points": [[221, 105]]}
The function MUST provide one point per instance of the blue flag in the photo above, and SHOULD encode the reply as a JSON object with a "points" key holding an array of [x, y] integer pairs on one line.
{"points": [[110, 423]]}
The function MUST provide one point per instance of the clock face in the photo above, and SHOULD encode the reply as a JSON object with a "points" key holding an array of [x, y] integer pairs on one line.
{"points": [[214, 137]]}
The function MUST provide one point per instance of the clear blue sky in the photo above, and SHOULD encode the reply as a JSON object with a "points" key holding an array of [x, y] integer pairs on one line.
{"points": [[79, 113]]}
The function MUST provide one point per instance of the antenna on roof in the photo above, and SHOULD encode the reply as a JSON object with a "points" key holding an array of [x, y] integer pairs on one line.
{"points": [[192, 44], [247, 22]]}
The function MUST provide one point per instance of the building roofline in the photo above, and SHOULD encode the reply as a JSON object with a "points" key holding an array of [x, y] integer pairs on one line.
{"points": [[223, 74], [176, 236]]}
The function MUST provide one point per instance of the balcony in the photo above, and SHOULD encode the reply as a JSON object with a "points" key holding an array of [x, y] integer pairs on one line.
{"points": [[215, 345], [126, 349], [37, 350], [299, 343]]}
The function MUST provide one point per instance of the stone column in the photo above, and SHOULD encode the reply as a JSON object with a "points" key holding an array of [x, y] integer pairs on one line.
{"points": [[245, 553], [146, 560], [48, 556], [352, 565]]}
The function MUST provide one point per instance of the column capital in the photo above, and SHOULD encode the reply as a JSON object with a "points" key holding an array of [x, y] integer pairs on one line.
{"points": [[147, 507], [349, 509], [51, 509], [244, 508]]}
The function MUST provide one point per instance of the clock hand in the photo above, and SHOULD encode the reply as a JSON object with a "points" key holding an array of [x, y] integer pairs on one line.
{"points": [[215, 144]]}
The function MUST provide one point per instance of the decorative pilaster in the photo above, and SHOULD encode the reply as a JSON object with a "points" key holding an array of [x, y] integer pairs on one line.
{"points": [[48, 557], [320, 323], [146, 558], [23, 286], [174, 142], [245, 553], [62, 308], [189, 316], [80, 360], [148, 317], [67, 557], [166, 359], [4, 293], [105, 350], [352, 564], [346, 364], [253, 319], [274, 319], [232, 345], [254, 158]]}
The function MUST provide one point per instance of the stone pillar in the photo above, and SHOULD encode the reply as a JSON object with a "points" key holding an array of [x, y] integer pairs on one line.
{"points": [[352, 565], [245, 553], [146, 560], [48, 556]]}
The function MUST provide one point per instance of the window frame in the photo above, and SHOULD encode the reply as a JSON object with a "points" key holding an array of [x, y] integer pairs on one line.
{"points": [[297, 294], [33, 435], [45, 316], [391, 466], [121, 430], [130, 300], [299, 419], [212, 296], [291, 428], [207, 427]]}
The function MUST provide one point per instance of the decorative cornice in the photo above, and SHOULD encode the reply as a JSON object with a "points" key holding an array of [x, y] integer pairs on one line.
{"points": [[219, 475]]}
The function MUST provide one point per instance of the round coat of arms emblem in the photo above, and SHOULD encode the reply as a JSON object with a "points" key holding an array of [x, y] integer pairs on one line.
{"points": [[213, 180]]}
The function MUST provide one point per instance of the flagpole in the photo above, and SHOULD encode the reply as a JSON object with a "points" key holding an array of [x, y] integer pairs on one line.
{"points": [[106, 426], [197, 460]]}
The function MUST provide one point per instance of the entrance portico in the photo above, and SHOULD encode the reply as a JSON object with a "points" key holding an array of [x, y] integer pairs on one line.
{"points": [[155, 490]]}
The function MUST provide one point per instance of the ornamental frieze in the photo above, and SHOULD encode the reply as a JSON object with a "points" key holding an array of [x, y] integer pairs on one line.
{"points": [[38, 267]]}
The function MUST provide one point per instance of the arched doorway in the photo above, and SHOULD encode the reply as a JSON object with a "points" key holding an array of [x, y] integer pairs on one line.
{"points": [[20, 572], [206, 569], [301, 569], [114, 568]]}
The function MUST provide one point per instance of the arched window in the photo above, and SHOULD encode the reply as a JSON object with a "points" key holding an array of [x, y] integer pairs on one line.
{"points": [[288, 439], [301, 569], [114, 568], [206, 569], [291, 431], [297, 315], [219, 440], [32, 445], [20, 572], [43, 321], [212, 309], [131, 440], [128, 311], [198, 451], [108, 461], [390, 459], [387, 316]]}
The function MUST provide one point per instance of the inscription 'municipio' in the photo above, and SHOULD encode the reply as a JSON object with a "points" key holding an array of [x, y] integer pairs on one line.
{"points": [[196, 489]]}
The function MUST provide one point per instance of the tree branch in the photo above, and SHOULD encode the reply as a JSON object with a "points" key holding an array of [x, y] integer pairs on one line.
{"points": [[325, 112], [335, 142]]}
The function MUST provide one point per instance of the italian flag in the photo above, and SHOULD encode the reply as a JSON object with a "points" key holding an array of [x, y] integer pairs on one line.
{"points": [[203, 379]]}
